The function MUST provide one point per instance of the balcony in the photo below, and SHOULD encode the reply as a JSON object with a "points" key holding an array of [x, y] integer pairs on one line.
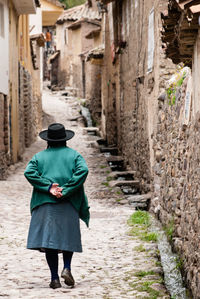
{"points": [[25, 7]]}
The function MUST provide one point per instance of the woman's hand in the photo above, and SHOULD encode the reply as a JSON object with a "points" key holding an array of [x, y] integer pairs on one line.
{"points": [[55, 190]]}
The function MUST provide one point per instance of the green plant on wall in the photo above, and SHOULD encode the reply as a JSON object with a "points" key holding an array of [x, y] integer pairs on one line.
{"points": [[171, 90]]}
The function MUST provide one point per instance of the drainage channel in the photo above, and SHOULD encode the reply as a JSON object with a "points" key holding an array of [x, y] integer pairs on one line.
{"points": [[172, 275], [87, 116]]}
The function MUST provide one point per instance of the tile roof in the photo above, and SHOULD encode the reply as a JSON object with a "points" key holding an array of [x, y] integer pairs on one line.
{"points": [[79, 22], [77, 13], [93, 33], [95, 53]]}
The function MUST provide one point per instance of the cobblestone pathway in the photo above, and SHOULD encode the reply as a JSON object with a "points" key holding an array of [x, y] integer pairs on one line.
{"points": [[107, 265]]}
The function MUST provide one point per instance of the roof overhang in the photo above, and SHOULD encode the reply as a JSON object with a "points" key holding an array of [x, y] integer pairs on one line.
{"points": [[77, 24], [185, 4], [54, 56], [93, 33], [95, 53], [25, 7], [50, 13], [40, 39], [180, 29], [105, 1], [193, 6]]}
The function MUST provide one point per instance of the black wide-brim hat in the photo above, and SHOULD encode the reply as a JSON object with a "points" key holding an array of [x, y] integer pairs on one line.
{"points": [[56, 132]]}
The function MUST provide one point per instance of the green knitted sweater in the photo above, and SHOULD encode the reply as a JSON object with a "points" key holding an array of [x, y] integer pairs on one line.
{"points": [[64, 166]]}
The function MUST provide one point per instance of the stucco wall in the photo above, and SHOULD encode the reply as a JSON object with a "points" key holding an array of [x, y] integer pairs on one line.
{"points": [[13, 84], [72, 43], [70, 62], [4, 46]]}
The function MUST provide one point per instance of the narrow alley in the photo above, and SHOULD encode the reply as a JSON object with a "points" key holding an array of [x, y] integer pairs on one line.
{"points": [[109, 264]]}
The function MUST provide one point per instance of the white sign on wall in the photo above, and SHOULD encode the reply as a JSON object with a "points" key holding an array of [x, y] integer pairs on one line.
{"points": [[150, 42], [188, 97], [4, 47], [111, 27]]}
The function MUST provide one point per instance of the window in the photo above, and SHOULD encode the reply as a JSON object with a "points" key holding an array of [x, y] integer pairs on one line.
{"points": [[1, 20]]}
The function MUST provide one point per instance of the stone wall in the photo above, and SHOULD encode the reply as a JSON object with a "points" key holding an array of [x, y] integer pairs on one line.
{"points": [[176, 182], [36, 96], [28, 116], [4, 136], [110, 91], [129, 92], [93, 89]]}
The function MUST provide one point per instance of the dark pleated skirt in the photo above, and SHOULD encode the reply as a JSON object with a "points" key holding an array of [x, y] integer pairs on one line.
{"points": [[55, 226]]}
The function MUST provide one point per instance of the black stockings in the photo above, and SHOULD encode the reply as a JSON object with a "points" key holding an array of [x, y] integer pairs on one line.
{"points": [[52, 260]]}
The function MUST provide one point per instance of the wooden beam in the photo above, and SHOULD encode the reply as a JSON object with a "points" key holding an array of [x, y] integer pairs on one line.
{"points": [[191, 3]]}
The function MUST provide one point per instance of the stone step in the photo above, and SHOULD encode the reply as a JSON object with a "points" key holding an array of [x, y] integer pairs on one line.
{"points": [[139, 198], [116, 163], [102, 141], [75, 118], [132, 183], [139, 201], [90, 130], [112, 150], [115, 159], [116, 174], [140, 206]]}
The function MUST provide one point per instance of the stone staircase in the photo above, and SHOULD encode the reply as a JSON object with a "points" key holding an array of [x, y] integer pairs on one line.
{"points": [[120, 177]]}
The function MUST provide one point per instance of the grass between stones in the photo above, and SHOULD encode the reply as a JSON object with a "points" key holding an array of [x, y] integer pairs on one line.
{"points": [[103, 166], [105, 184], [141, 273], [147, 287], [139, 248], [140, 223], [145, 281]]}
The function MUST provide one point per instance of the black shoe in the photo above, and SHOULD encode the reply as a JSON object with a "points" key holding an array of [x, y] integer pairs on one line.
{"points": [[55, 284], [69, 280]]}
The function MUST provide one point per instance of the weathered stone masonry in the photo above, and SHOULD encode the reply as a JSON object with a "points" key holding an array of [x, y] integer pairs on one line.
{"points": [[176, 182], [4, 136], [129, 93], [26, 110]]}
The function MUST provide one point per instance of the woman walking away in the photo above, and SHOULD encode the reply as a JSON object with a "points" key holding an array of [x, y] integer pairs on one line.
{"points": [[58, 201]]}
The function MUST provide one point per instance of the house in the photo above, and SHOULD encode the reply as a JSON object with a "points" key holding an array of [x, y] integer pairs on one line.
{"points": [[37, 44], [16, 112], [78, 32], [51, 10], [134, 69]]}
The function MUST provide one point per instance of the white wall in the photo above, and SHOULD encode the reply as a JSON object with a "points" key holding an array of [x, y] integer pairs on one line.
{"points": [[35, 22], [35, 27], [195, 76], [4, 47]]}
